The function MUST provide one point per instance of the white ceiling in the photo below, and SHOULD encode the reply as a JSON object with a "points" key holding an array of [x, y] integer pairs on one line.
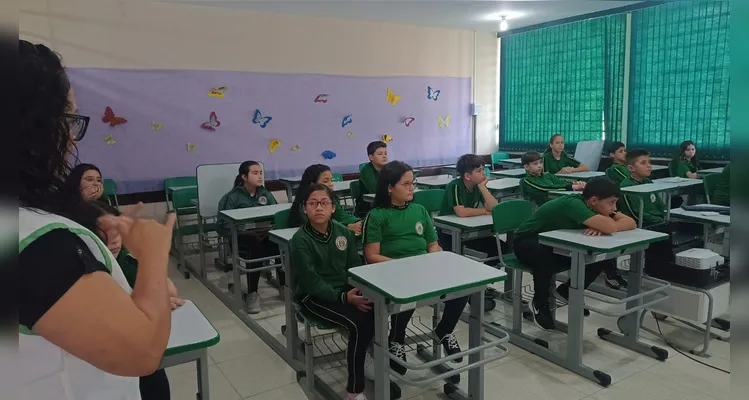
{"points": [[457, 14]]}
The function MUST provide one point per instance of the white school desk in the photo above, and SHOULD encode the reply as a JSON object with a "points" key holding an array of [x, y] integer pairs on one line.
{"points": [[464, 228], [504, 187], [434, 182], [509, 173], [291, 183], [584, 250], [511, 162], [369, 197], [189, 340], [452, 170], [559, 193], [716, 170], [282, 237], [707, 219], [399, 285], [581, 176], [644, 193], [252, 218], [680, 182]]}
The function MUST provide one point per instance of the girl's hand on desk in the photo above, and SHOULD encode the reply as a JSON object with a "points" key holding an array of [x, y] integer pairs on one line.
{"points": [[577, 186], [176, 302], [356, 227], [566, 170], [592, 232], [355, 298]]}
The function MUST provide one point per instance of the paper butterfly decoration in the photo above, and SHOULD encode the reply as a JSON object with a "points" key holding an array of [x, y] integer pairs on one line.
{"points": [[295, 148], [444, 122], [218, 92], [274, 145], [386, 138], [432, 94], [191, 146], [212, 122], [112, 119], [322, 98], [391, 98], [408, 121], [259, 119], [328, 155], [110, 140], [351, 134], [346, 120], [156, 125]]}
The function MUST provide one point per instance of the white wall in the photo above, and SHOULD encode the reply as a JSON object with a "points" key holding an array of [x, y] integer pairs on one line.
{"points": [[133, 34]]}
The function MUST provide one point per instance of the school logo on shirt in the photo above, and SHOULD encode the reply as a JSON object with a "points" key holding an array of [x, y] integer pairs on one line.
{"points": [[341, 243], [419, 228], [262, 200], [652, 197]]}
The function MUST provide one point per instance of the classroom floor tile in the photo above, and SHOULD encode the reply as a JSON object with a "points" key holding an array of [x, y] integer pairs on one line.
{"points": [[257, 373], [183, 385]]}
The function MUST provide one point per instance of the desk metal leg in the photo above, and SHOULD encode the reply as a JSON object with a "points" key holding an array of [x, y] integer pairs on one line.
{"points": [[630, 323], [239, 303], [204, 392], [292, 329], [575, 309], [642, 212], [289, 192], [475, 333], [380, 350], [202, 267]]}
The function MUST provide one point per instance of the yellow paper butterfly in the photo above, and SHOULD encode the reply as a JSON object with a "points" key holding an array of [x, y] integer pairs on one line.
{"points": [[156, 125], [444, 122], [351, 134], [191, 146], [295, 148], [218, 92], [110, 140], [274, 145], [391, 98], [386, 138]]}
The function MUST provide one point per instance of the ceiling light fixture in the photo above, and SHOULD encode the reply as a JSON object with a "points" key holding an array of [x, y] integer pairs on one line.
{"points": [[503, 24]]}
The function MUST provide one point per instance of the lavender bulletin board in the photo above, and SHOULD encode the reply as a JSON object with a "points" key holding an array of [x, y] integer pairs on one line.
{"points": [[165, 109]]}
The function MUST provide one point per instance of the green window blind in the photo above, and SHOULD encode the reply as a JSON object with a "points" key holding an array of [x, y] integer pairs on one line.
{"points": [[564, 79], [679, 82]]}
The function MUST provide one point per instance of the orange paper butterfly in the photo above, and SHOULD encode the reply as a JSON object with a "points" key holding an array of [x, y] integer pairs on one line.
{"points": [[112, 119]]}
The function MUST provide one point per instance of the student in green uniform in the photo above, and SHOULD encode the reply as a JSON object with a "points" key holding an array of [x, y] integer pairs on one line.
{"points": [[322, 251], [685, 164], [654, 209], [537, 184], [556, 160], [86, 179], [722, 192], [397, 228], [595, 211], [618, 171], [319, 173], [249, 192]]}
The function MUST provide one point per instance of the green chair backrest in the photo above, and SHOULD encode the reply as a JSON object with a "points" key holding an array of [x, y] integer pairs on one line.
{"points": [[710, 180], [510, 214], [183, 198], [671, 168], [431, 199], [361, 166], [337, 177], [487, 171], [281, 219], [180, 181], [500, 156], [355, 191], [110, 187]]}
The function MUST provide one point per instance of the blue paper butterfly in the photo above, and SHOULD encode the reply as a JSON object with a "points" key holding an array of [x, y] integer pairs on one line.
{"points": [[328, 155], [346, 120], [260, 119], [432, 94]]}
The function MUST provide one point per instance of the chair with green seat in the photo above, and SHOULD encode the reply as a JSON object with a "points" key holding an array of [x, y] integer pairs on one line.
{"points": [[496, 157], [178, 181], [281, 220], [110, 191], [710, 180], [337, 177], [356, 195], [183, 207], [431, 199]]}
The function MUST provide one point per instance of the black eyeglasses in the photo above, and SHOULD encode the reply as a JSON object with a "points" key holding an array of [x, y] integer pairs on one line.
{"points": [[78, 125]]}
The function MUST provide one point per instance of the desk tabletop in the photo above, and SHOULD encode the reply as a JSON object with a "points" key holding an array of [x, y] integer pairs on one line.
{"points": [[715, 170], [649, 188], [281, 236], [563, 192], [604, 243], [703, 216], [370, 196], [654, 167], [503, 184], [403, 280], [342, 186], [190, 331], [291, 179], [175, 188], [432, 181], [513, 161], [477, 222], [255, 213], [582, 175], [680, 182], [511, 173]]}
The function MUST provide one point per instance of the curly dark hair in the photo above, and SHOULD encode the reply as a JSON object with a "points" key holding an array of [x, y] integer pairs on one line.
{"points": [[44, 138]]}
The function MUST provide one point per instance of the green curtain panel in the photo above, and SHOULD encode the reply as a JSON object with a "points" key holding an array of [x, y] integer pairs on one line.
{"points": [[679, 82], [564, 79]]}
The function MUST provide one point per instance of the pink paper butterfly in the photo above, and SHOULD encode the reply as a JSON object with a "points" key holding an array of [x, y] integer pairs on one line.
{"points": [[212, 123]]}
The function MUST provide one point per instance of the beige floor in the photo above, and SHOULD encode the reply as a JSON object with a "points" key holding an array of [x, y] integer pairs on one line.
{"points": [[243, 367]]}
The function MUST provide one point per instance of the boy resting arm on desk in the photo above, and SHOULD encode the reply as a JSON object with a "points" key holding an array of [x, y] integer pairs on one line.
{"points": [[594, 210], [467, 195], [537, 184]]}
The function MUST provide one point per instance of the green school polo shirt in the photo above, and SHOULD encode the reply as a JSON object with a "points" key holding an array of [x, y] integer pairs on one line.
{"points": [[457, 194], [401, 231], [617, 173], [321, 261], [552, 165], [341, 215], [566, 212], [722, 192], [680, 167], [240, 198], [368, 179], [537, 188], [653, 210]]}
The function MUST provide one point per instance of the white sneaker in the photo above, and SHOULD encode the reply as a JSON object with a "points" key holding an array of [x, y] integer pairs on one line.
{"points": [[369, 367], [356, 396], [253, 303]]}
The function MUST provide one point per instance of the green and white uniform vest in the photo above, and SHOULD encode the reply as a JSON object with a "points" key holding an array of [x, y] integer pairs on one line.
{"points": [[49, 372]]}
